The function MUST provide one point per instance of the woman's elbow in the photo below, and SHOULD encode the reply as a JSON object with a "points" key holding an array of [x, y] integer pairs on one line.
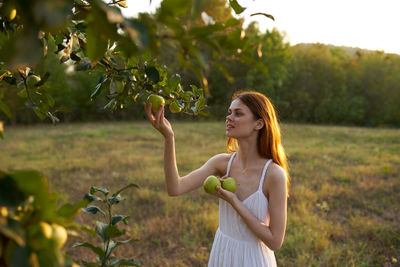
{"points": [[275, 246], [172, 194]]}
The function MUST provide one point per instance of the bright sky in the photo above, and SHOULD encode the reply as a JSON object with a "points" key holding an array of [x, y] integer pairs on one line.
{"points": [[369, 24]]}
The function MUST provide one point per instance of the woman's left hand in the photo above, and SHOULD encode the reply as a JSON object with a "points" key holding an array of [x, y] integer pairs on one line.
{"points": [[225, 194]]}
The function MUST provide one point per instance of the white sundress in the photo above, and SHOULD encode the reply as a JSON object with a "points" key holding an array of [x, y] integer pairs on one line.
{"points": [[234, 243]]}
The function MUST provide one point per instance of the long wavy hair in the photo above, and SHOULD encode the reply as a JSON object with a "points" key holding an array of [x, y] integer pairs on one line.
{"points": [[269, 137]]}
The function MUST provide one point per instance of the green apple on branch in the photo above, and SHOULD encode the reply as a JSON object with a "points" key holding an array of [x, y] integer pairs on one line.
{"points": [[156, 101], [174, 107]]}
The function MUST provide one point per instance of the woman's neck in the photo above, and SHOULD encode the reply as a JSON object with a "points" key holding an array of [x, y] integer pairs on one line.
{"points": [[247, 153]]}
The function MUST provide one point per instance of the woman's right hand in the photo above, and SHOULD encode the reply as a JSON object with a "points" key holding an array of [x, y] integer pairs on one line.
{"points": [[158, 120]]}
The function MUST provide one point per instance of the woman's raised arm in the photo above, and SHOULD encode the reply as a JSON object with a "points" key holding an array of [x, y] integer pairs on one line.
{"points": [[177, 185]]}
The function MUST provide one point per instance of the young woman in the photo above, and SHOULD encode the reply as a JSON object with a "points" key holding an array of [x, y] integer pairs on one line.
{"points": [[252, 221]]}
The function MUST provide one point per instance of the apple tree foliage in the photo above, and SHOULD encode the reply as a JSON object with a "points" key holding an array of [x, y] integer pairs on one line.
{"points": [[32, 227], [93, 36]]}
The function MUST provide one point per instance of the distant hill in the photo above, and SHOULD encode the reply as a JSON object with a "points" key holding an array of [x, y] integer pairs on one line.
{"points": [[350, 50]]}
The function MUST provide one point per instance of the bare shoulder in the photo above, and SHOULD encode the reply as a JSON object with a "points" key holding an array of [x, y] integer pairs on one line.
{"points": [[220, 161], [277, 172], [275, 176]]}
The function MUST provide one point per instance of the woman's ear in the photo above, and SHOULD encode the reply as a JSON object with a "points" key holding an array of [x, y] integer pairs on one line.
{"points": [[259, 124]]}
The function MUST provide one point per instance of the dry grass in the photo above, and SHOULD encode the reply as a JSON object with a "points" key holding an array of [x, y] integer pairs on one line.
{"points": [[344, 208]]}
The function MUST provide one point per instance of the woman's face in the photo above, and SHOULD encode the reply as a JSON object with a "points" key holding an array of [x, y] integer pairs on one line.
{"points": [[240, 120]]}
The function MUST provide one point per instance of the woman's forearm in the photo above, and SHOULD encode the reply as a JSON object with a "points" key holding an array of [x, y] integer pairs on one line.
{"points": [[170, 168], [259, 229]]}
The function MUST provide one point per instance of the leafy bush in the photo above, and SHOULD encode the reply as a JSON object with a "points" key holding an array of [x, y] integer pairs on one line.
{"points": [[107, 231]]}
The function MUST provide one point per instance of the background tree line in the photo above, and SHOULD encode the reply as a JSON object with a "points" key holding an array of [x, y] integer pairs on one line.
{"points": [[308, 83]]}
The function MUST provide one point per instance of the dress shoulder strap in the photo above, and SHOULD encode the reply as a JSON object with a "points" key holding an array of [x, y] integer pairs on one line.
{"points": [[263, 174], [230, 163]]}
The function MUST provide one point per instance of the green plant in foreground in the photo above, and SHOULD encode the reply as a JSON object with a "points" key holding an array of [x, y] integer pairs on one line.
{"points": [[109, 230], [32, 230]]}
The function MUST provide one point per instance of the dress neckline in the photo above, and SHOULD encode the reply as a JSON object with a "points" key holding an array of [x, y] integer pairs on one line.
{"points": [[261, 179]]}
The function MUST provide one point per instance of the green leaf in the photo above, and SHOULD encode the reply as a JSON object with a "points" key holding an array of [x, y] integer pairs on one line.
{"points": [[64, 59], [236, 7], [93, 210], [111, 105], [115, 199], [130, 262], [20, 257], [74, 57], [199, 103], [60, 47], [31, 182], [96, 250], [137, 32], [113, 87], [173, 8], [196, 91], [89, 197], [196, 8], [206, 30], [113, 245], [10, 193], [117, 218], [90, 264], [100, 86], [232, 22], [96, 45], [95, 189], [39, 113], [5, 109], [43, 79], [100, 230], [69, 210], [153, 74], [84, 64], [174, 81], [113, 261], [112, 231], [10, 80], [81, 26], [124, 188], [23, 93], [264, 14], [82, 227], [117, 62]]}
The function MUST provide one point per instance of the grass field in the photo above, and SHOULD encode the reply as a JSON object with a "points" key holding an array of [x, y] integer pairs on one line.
{"points": [[344, 208]]}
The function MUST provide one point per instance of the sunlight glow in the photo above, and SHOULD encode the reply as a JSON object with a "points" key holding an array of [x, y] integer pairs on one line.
{"points": [[368, 24]]}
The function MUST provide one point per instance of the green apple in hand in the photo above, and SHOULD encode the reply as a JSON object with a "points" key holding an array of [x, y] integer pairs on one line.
{"points": [[156, 101], [229, 184], [211, 183]]}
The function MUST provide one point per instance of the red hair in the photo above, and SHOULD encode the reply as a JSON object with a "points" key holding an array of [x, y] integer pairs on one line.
{"points": [[269, 137]]}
